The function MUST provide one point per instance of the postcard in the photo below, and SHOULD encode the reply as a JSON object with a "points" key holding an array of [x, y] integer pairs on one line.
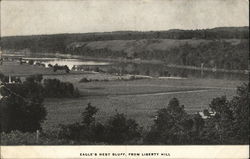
{"points": [[124, 79]]}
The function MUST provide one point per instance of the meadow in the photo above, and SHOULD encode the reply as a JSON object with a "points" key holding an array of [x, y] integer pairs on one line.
{"points": [[138, 99]]}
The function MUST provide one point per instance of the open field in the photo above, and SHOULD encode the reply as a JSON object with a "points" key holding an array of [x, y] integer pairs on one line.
{"points": [[138, 99], [13, 68]]}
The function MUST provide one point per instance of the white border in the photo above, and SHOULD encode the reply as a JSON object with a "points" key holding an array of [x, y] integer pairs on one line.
{"points": [[87, 152]]}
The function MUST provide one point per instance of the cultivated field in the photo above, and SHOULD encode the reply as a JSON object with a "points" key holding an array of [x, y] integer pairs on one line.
{"points": [[138, 99]]}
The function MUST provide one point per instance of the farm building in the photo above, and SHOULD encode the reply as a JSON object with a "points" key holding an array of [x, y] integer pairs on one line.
{"points": [[205, 114]]}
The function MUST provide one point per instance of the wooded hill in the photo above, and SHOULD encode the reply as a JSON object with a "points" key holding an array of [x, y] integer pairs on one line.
{"points": [[224, 47]]}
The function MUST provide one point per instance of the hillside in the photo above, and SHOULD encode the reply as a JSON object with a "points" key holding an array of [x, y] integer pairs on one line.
{"points": [[224, 47], [226, 54], [58, 42], [144, 45]]}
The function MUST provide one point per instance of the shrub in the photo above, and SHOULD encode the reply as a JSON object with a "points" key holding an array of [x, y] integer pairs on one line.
{"points": [[83, 80], [97, 69], [88, 115], [18, 138], [118, 129], [5, 79], [240, 109], [22, 107], [173, 126], [86, 131], [31, 62], [35, 78], [57, 89], [230, 125], [132, 78]]}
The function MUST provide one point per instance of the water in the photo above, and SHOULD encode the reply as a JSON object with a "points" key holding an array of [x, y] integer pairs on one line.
{"points": [[74, 62], [161, 70], [69, 62], [148, 69]]}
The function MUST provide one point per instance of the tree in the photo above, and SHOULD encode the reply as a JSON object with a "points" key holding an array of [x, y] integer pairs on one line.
{"points": [[230, 125], [22, 108], [120, 130], [117, 130], [88, 115], [173, 126], [54, 88], [240, 108], [88, 130], [35, 78]]}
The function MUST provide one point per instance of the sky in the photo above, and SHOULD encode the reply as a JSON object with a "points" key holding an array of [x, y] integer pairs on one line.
{"points": [[28, 17]]}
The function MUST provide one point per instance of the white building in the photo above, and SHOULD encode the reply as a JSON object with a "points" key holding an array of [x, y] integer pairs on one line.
{"points": [[206, 116]]}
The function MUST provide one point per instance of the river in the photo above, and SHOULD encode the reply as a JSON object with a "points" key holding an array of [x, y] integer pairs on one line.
{"points": [[128, 67]]}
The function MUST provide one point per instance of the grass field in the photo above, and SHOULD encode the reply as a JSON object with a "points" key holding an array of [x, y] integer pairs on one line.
{"points": [[13, 68], [138, 99]]}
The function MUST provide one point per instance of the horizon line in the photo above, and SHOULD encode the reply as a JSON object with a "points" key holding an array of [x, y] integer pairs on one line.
{"points": [[120, 31]]}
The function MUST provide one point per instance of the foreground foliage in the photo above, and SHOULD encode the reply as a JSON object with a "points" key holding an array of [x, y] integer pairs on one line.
{"points": [[230, 125], [117, 130], [21, 103], [172, 125], [22, 106], [54, 88]]}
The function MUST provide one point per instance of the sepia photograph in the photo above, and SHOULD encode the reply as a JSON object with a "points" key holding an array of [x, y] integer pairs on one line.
{"points": [[124, 72]]}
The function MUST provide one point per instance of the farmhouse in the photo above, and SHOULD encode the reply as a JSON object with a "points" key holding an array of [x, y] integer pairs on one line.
{"points": [[205, 114]]}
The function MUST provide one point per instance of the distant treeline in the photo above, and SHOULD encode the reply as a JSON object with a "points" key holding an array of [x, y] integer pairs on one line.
{"points": [[59, 42], [213, 54]]}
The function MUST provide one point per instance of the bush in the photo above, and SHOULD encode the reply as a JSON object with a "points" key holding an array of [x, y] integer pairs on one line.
{"points": [[86, 131], [18, 138], [35, 78], [97, 69], [83, 80], [5, 79], [132, 78], [230, 125], [54, 88], [31, 62], [22, 107], [240, 109], [174, 126], [118, 129]]}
